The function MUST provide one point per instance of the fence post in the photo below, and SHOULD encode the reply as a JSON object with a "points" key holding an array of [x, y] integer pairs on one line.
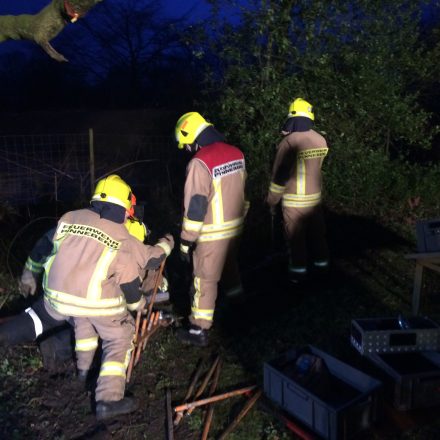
{"points": [[91, 161]]}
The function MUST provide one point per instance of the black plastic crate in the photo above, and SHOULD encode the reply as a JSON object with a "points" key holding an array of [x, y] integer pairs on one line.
{"points": [[337, 408], [428, 235], [394, 335], [412, 380]]}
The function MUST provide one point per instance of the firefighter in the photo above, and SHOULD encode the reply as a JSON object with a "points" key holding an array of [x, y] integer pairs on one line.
{"points": [[91, 279], [214, 208], [296, 181], [139, 230]]}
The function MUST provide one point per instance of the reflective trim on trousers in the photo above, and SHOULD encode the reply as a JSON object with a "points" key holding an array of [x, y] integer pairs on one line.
{"points": [[112, 369], [206, 314], [297, 269], [38, 325], [219, 227], [233, 232], [323, 263], [88, 344]]}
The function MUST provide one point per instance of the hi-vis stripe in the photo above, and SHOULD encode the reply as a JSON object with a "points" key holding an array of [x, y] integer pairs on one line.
{"points": [[206, 314], [38, 325], [217, 202], [191, 225], [196, 312], [301, 176], [301, 200], [229, 229], [72, 305], [94, 289], [88, 344], [112, 369], [277, 189], [33, 266]]}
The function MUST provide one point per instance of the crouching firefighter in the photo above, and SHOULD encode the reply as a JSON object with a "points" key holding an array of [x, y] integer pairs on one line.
{"points": [[90, 279], [214, 205], [296, 181]]}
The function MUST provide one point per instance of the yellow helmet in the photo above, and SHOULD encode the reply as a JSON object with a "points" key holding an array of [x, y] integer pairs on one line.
{"points": [[113, 189], [136, 228], [188, 127], [300, 107]]}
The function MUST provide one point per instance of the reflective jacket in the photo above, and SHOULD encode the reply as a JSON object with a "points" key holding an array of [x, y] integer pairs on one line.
{"points": [[214, 194], [296, 173], [90, 259]]}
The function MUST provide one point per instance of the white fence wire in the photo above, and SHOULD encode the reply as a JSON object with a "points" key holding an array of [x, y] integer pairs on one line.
{"points": [[58, 167]]}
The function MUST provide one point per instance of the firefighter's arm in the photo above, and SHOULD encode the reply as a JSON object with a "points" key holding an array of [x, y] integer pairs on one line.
{"points": [[281, 170], [197, 189], [27, 284], [158, 252], [133, 296]]}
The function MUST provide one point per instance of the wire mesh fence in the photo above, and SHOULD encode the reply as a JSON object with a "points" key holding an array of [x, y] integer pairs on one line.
{"points": [[37, 169]]}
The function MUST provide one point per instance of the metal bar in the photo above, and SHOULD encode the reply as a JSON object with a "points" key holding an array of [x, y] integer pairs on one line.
{"points": [[197, 403], [247, 407]]}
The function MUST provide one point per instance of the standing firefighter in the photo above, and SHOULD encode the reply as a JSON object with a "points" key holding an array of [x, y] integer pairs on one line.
{"points": [[213, 216], [91, 279], [296, 180]]}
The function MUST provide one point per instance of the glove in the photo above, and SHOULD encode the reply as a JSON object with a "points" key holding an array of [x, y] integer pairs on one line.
{"points": [[141, 304], [186, 250], [27, 283], [170, 239]]}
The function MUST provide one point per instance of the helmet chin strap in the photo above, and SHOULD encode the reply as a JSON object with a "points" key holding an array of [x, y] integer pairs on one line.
{"points": [[192, 148]]}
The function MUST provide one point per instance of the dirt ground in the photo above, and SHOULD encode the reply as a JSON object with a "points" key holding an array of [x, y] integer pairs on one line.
{"points": [[369, 278]]}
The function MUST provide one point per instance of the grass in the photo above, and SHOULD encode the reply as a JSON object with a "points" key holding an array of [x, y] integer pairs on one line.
{"points": [[369, 278]]}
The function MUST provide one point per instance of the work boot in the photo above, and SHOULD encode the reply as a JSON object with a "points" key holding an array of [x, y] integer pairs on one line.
{"points": [[106, 410], [193, 335], [297, 278]]}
